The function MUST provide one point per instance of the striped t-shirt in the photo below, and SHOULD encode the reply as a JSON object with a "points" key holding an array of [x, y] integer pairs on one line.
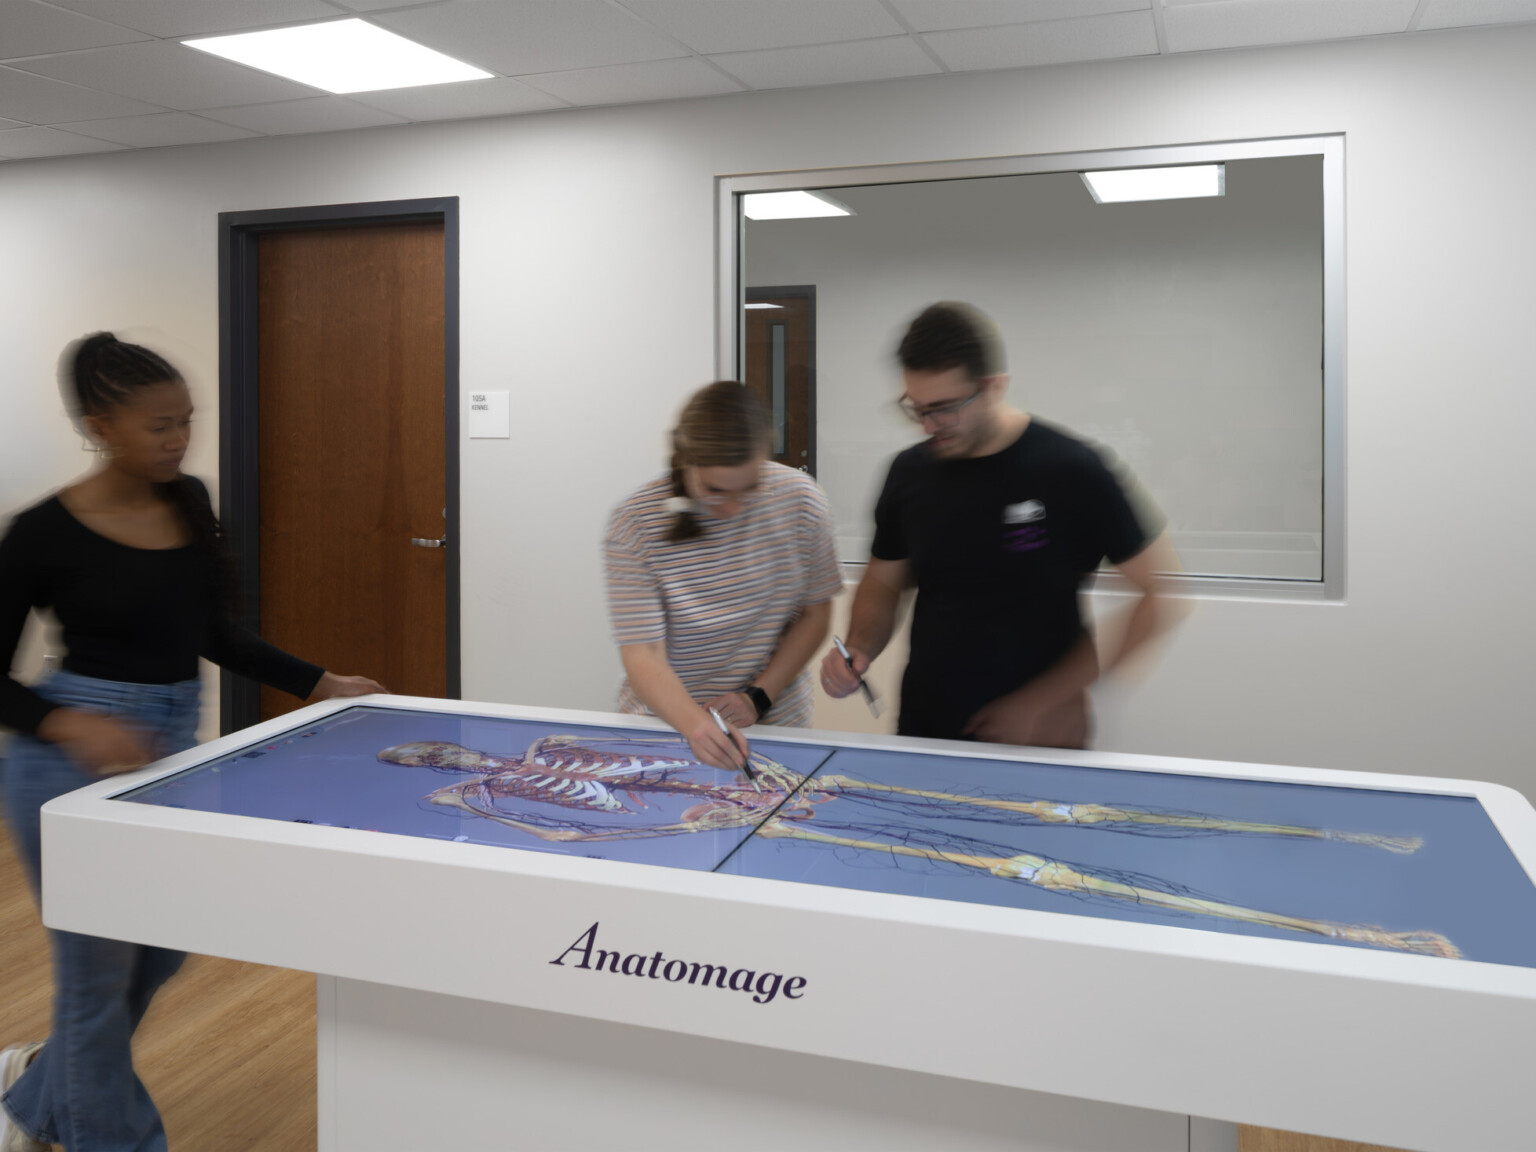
{"points": [[722, 600]]}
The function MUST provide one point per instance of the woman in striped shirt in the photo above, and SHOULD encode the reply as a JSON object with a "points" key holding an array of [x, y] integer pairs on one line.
{"points": [[721, 576]]}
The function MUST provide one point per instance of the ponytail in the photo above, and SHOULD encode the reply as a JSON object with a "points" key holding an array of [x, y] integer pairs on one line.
{"points": [[685, 526]]}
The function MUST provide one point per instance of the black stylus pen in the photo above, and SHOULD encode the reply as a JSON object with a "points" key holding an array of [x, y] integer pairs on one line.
{"points": [[870, 698]]}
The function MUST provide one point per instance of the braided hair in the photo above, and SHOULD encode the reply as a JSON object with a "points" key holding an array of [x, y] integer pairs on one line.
{"points": [[99, 374], [723, 425]]}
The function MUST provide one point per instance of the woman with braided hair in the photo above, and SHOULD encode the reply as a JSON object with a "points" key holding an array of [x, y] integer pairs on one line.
{"points": [[721, 576], [132, 561]]}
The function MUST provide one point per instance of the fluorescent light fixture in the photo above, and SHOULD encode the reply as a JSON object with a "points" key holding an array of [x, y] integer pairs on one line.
{"points": [[1182, 183], [340, 56], [791, 205], [749, 307]]}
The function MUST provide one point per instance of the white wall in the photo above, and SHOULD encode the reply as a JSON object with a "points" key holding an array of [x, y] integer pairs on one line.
{"points": [[1185, 335], [588, 282]]}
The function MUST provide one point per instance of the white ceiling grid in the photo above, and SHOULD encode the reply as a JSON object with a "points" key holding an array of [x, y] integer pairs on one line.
{"points": [[199, 17], [1103, 37], [813, 64], [101, 75]]}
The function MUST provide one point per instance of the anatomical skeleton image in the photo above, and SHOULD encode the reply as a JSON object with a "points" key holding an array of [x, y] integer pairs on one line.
{"points": [[575, 776]]}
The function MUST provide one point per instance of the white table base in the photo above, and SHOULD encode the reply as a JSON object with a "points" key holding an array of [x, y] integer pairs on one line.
{"points": [[405, 1070]]}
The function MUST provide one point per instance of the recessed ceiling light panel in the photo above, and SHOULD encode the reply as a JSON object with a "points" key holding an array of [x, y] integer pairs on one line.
{"points": [[1182, 183], [340, 56], [791, 205]]}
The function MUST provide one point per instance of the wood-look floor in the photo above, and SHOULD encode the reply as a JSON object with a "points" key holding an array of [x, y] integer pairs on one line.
{"points": [[1268, 1140], [227, 1050]]}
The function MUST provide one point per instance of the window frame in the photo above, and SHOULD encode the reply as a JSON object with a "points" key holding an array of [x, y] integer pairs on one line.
{"points": [[729, 350]]}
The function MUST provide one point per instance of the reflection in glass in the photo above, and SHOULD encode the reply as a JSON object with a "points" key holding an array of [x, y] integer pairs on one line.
{"points": [[1184, 336]]}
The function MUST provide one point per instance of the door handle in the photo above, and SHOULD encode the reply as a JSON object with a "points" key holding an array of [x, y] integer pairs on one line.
{"points": [[429, 542]]}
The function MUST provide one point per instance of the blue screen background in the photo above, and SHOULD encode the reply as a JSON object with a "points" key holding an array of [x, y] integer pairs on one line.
{"points": [[1464, 882]]}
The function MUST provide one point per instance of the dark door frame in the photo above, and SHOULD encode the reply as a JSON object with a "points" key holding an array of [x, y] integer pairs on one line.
{"points": [[239, 232], [766, 292]]}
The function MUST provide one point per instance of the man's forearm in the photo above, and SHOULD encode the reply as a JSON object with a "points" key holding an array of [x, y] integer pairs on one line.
{"points": [[1069, 677], [1154, 612], [873, 617], [1147, 620]]}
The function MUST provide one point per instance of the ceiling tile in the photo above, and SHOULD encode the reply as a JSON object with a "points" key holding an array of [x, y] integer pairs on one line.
{"points": [[1195, 27], [522, 36], [28, 28], [931, 15], [744, 25], [1048, 42], [40, 100], [459, 101], [158, 130], [27, 143], [829, 63], [194, 17], [164, 72], [320, 114], [634, 83], [1460, 13]]}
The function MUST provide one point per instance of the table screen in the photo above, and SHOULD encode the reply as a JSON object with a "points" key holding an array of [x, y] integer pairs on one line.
{"points": [[1396, 871]]}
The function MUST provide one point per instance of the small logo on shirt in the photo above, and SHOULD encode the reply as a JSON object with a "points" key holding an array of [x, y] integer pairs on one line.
{"points": [[1026, 513]]}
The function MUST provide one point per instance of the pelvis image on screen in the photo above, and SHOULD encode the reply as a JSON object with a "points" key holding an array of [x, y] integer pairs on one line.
{"points": [[569, 789]]}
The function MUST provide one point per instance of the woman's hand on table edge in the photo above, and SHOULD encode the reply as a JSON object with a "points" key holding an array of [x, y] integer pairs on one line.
{"points": [[331, 686]]}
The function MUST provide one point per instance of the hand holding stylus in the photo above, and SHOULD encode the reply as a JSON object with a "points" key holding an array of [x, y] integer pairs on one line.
{"points": [[739, 743], [719, 749], [842, 672]]}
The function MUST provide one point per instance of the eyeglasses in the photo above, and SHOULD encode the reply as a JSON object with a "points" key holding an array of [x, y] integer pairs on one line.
{"points": [[712, 498], [941, 414], [715, 499]]}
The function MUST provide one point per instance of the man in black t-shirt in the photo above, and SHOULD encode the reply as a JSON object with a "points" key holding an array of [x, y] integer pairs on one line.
{"points": [[996, 519]]}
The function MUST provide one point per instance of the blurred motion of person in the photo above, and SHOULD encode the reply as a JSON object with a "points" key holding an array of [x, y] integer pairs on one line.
{"points": [[996, 520], [133, 563], [721, 574]]}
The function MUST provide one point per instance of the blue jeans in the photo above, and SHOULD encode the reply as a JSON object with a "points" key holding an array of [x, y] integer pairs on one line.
{"points": [[81, 1090]]}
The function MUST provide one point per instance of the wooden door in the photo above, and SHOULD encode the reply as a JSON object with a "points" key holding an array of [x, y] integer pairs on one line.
{"points": [[781, 368], [351, 452]]}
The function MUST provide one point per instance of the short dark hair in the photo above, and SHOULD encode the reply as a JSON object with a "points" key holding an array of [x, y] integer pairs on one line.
{"points": [[952, 335]]}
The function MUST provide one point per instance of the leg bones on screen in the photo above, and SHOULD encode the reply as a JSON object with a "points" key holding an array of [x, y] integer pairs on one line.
{"points": [[570, 774]]}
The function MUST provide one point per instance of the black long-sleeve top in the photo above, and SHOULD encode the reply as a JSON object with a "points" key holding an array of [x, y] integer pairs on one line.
{"points": [[139, 615]]}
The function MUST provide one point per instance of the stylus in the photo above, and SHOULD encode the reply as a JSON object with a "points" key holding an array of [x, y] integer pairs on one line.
{"points": [[726, 728], [869, 693]]}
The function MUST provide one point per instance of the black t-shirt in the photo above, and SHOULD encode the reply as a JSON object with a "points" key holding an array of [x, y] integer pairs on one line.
{"points": [[999, 547], [139, 615]]}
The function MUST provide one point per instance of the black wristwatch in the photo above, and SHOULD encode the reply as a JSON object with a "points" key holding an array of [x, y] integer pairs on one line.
{"points": [[759, 699]]}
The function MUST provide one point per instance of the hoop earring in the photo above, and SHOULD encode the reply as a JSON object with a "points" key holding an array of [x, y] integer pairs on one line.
{"points": [[106, 453]]}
